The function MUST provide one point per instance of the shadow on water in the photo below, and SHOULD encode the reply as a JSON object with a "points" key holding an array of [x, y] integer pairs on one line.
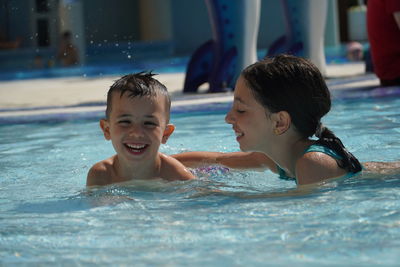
{"points": [[204, 193], [361, 182], [113, 195], [82, 201]]}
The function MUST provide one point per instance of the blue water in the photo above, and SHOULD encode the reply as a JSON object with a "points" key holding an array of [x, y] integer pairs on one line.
{"points": [[106, 58], [117, 60], [99, 69], [233, 218]]}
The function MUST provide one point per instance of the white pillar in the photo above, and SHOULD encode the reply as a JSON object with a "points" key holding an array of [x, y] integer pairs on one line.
{"points": [[247, 53], [71, 19], [314, 23], [332, 24], [155, 20]]}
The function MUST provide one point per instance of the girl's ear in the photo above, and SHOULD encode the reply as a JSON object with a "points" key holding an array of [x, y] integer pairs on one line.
{"points": [[169, 129], [105, 126], [282, 121]]}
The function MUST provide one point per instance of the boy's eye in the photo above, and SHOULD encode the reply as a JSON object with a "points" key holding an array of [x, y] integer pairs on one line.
{"points": [[240, 111], [150, 123], [124, 122]]}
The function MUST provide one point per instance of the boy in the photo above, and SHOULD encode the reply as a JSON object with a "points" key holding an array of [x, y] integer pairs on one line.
{"points": [[137, 122]]}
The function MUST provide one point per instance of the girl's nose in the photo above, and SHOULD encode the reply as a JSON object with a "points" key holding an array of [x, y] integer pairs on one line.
{"points": [[229, 117]]}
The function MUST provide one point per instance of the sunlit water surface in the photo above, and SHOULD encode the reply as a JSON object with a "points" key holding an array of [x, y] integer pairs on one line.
{"points": [[224, 218]]}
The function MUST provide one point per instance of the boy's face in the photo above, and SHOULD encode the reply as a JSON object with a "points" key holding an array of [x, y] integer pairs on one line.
{"points": [[137, 125]]}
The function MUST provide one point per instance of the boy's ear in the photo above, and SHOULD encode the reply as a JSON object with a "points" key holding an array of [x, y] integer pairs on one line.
{"points": [[105, 126], [169, 129], [282, 121]]}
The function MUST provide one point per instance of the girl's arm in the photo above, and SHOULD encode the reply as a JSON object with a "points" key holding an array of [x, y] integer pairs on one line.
{"points": [[237, 160], [386, 168]]}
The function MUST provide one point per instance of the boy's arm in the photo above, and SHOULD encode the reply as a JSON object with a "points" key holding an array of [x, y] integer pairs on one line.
{"points": [[98, 175], [237, 160], [172, 169]]}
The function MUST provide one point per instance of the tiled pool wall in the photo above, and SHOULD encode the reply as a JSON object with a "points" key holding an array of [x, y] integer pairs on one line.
{"points": [[114, 59], [78, 112], [340, 89]]}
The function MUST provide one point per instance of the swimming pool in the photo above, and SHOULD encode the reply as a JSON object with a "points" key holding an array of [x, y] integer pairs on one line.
{"points": [[231, 218]]}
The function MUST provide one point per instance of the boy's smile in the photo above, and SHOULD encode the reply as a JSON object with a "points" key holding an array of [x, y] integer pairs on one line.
{"points": [[136, 122], [137, 126], [136, 149]]}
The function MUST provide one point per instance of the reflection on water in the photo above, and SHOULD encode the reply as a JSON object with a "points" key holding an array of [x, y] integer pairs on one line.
{"points": [[48, 216]]}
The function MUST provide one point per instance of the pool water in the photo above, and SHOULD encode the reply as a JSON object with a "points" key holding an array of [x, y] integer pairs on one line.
{"points": [[224, 218]]}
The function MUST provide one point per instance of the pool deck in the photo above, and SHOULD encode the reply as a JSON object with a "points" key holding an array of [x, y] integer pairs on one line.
{"points": [[32, 98]]}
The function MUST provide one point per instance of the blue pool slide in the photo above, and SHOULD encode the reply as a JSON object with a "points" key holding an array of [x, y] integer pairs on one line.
{"points": [[235, 25], [219, 61]]}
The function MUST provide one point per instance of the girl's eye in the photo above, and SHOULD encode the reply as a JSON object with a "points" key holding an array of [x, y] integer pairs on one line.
{"points": [[237, 109]]}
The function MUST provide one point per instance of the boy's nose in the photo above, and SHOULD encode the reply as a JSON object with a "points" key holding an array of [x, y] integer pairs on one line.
{"points": [[136, 130]]}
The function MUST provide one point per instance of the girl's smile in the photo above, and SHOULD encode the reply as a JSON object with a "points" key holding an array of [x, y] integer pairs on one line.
{"points": [[248, 118]]}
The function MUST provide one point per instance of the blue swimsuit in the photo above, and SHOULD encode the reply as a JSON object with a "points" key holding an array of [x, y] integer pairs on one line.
{"points": [[314, 148]]}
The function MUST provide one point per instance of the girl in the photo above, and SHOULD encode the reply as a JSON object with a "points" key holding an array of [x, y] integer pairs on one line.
{"points": [[278, 105]]}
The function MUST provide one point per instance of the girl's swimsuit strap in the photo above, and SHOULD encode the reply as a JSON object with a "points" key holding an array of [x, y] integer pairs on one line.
{"points": [[314, 148], [323, 149]]}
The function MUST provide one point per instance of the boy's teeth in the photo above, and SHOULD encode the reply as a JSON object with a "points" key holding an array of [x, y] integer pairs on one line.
{"points": [[238, 134], [136, 146]]}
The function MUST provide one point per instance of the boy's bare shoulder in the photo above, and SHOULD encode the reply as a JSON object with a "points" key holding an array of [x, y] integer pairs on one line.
{"points": [[172, 169], [100, 173]]}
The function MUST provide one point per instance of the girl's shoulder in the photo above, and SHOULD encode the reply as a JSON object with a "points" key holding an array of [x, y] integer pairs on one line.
{"points": [[318, 163]]}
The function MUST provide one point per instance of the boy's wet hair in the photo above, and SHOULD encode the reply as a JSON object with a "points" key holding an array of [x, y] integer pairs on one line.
{"points": [[138, 84], [295, 85]]}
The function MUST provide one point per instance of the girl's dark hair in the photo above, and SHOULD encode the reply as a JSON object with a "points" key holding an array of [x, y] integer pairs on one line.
{"points": [[137, 84], [293, 84]]}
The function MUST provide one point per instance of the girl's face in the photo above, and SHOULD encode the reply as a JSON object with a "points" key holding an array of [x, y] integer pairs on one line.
{"points": [[249, 119]]}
